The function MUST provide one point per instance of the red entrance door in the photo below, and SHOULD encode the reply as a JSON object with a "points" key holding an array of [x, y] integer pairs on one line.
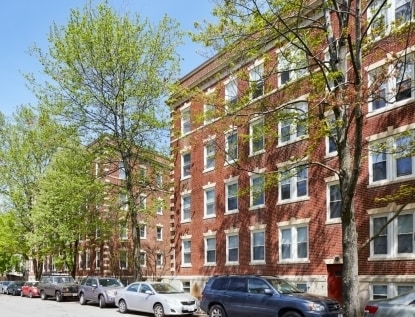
{"points": [[335, 281]]}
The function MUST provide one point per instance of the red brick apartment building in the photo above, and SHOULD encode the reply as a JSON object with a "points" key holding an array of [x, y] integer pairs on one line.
{"points": [[226, 219], [110, 254]]}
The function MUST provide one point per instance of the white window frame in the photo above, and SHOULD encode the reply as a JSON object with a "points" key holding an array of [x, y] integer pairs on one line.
{"points": [[87, 259], [232, 233], [256, 79], [122, 254], [254, 231], [377, 154], [288, 59], [186, 165], [159, 260], [143, 258], [97, 259], [331, 132], [209, 155], [185, 119], [296, 123], [389, 85], [160, 206], [121, 170], [231, 182], [123, 199], [329, 201], [391, 290], [209, 109], [294, 243], [391, 233], [143, 230], [186, 251], [231, 93], [256, 135], [254, 189], [234, 147], [186, 197], [209, 202], [123, 232], [292, 179], [208, 239], [159, 233]]}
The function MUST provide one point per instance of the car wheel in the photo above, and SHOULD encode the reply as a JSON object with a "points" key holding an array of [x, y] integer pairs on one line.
{"points": [[43, 295], [101, 301], [82, 300], [58, 296], [291, 314], [14, 292], [122, 306], [158, 310], [217, 311]]}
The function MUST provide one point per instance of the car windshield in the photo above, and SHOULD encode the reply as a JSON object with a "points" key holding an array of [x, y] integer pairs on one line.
{"points": [[109, 282], [164, 288], [65, 279], [283, 286]]}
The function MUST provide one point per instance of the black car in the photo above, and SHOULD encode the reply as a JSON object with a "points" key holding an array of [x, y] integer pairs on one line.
{"points": [[265, 296], [57, 285], [14, 288]]}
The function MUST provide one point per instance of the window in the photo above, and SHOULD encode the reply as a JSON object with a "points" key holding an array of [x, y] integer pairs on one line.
{"points": [[185, 117], [159, 206], [159, 259], [231, 94], [395, 239], [334, 201], [391, 85], [257, 197], [186, 204], [123, 232], [123, 201], [210, 202], [258, 246], [159, 180], [293, 184], [87, 259], [143, 202], [256, 80], [143, 258], [121, 170], [143, 231], [391, 159], [231, 146], [209, 111], [331, 147], [210, 250], [256, 137], [123, 260], [388, 13], [159, 233], [294, 243], [231, 193], [97, 259], [293, 123], [209, 156], [232, 248], [380, 291], [186, 252], [142, 175], [292, 64], [186, 164], [81, 264]]}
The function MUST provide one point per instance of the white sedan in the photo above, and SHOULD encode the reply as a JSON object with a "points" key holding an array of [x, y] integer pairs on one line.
{"points": [[162, 299]]}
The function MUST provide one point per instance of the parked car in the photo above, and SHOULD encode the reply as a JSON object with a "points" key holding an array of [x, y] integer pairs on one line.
{"points": [[99, 289], [30, 289], [265, 296], [4, 285], [401, 305], [14, 288], [158, 298], [57, 285]]}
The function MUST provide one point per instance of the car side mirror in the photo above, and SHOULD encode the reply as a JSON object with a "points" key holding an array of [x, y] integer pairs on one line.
{"points": [[149, 292], [268, 291], [94, 285]]}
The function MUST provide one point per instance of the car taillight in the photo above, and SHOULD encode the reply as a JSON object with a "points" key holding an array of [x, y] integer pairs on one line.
{"points": [[371, 309]]}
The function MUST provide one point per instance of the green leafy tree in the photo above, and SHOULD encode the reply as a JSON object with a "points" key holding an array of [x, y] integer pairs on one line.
{"points": [[65, 208], [110, 75], [29, 140], [325, 42]]}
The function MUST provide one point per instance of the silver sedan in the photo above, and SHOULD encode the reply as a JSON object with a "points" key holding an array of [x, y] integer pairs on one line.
{"points": [[402, 306], [158, 298]]}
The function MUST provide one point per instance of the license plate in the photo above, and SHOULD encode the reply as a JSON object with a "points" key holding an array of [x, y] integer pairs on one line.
{"points": [[340, 315], [74, 294]]}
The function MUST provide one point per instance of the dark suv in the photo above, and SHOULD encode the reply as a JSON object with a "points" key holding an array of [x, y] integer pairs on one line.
{"points": [[265, 296], [57, 285], [97, 289]]}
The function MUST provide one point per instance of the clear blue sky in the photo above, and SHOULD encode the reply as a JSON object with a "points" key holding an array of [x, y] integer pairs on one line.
{"points": [[27, 22]]}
